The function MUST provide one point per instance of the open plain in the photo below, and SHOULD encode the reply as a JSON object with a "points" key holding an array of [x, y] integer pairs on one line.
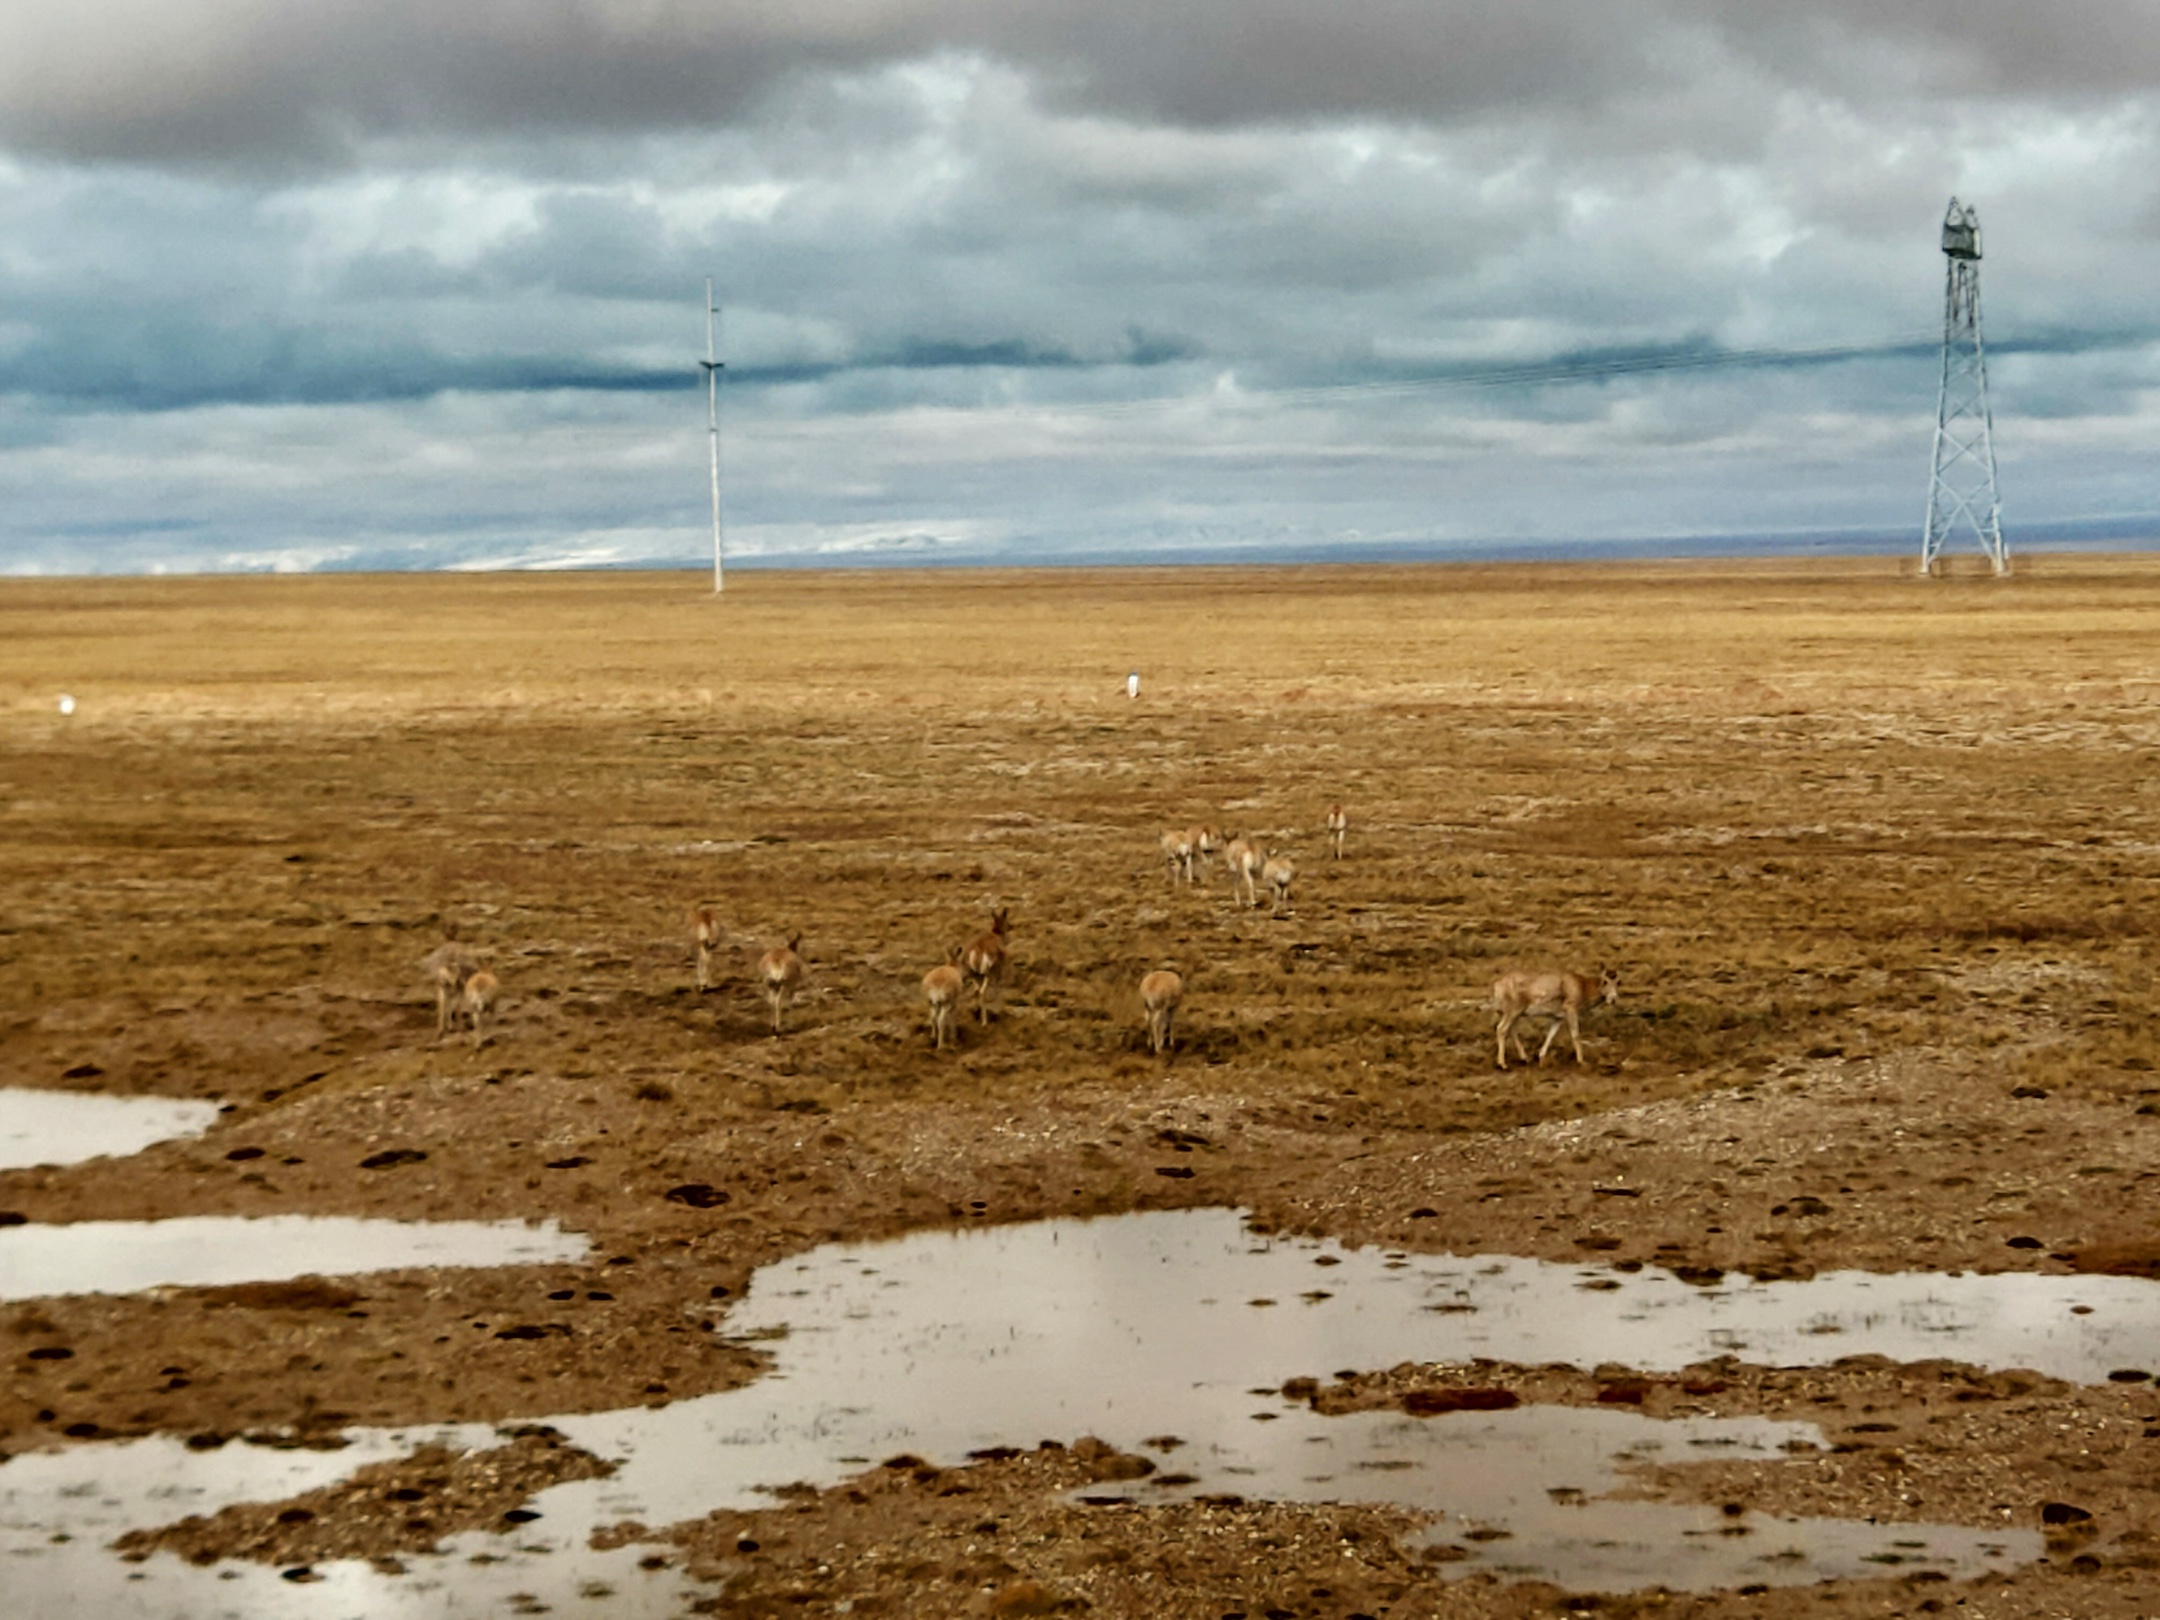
{"points": [[1873, 859]]}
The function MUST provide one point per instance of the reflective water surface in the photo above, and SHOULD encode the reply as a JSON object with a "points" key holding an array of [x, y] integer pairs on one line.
{"points": [[1142, 1327], [202, 1251], [64, 1127], [59, 1511], [1157, 1325]]}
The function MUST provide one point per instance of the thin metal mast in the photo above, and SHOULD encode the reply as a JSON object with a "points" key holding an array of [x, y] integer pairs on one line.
{"points": [[1961, 491], [713, 368]]}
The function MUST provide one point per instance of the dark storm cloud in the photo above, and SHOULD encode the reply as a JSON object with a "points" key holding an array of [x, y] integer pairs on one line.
{"points": [[280, 83]]}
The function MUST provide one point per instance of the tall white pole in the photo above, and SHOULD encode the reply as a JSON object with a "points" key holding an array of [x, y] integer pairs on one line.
{"points": [[712, 417]]}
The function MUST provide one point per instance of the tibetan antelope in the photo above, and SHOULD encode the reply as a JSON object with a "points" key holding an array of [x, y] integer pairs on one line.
{"points": [[941, 988], [1160, 993], [1177, 854], [477, 1000], [448, 966], [1278, 874], [1205, 842], [1187, 851], [1338, 823], [1553, 995], [780, 970], [1245, 859], [705, 927], [983, 961]]}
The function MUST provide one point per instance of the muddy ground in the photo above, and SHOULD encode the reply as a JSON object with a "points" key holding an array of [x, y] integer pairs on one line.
{"points": [[1871, 857]]}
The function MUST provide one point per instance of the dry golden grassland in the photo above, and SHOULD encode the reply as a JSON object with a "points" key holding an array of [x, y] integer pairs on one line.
{"points": [[1854, 843], [1793, 805]]}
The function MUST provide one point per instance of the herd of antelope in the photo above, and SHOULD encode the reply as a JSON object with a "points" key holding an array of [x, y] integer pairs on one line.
{"points": [[1187, 851], [466, 990]]}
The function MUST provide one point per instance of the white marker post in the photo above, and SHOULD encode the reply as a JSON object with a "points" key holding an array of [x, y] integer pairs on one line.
{"points": [[713, 367]]}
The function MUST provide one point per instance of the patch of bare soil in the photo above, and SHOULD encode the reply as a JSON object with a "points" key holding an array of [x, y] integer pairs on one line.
{"points": [[1872, 860], [1902, 1161], [1017, 1535]]}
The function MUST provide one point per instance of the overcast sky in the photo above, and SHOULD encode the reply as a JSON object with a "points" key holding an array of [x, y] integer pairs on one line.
{"points": [[305, 283]]}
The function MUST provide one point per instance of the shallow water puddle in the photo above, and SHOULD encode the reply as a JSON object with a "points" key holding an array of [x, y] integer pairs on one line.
{"points": [[59, 1512], [1167, 1324], [65, 1127], [1522, 1493], [1183, 1324], [202, 1251]]}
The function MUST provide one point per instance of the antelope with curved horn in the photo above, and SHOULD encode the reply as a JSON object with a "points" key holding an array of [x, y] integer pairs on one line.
{"points": [[1338, 825]]}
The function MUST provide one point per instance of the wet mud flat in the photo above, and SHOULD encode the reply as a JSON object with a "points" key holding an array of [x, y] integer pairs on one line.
{"points": [[1870, 858], [957, 1345]]}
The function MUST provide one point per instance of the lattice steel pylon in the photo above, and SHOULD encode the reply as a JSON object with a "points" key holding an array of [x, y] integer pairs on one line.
{"points": [[1961, 492]]}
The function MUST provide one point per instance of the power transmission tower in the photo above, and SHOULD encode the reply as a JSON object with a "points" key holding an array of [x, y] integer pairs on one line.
{"points": [[1961, 492], [713, 367]]}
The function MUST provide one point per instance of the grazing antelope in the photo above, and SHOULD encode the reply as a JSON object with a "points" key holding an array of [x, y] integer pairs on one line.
{"points": [[1245, 858], [780, 970], [1205, 842], [705, 926], [1338, 823], [941, 988], [1177, 854], [1548, 993], [448, 966], [1188, 850], [983, 961], [1160, 993], [1278, 874], [477, 1000]]}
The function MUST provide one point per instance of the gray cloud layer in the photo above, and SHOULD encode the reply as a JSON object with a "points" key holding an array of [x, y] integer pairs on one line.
{"points": [[276, 249], [280, 82]]}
